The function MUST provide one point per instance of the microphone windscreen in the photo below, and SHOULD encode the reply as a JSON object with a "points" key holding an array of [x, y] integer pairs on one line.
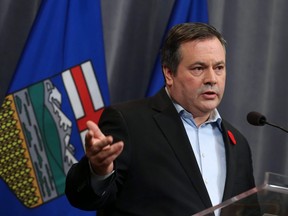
{"points": [[256, 118]]}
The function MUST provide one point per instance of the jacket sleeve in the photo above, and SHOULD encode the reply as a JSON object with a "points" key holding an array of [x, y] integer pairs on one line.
{"points": [[78, 186]]}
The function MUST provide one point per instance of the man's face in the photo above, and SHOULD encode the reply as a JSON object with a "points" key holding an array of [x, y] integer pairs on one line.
{"points": [[199, 83]]}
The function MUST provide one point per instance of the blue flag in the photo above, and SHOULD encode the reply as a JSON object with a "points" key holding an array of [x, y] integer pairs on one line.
{"points": [[60, 82], [183, 11]]}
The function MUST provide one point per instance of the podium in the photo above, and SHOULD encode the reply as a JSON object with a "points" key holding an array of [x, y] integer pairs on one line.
{"points": [[268, 199]]}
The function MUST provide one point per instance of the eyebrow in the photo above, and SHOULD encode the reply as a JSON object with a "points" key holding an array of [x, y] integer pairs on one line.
{"points": [[197, 63], [203, 63], [221, 62]]}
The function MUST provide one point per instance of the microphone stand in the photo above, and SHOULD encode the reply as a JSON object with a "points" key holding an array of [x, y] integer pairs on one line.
{"points": [[276, 126]]}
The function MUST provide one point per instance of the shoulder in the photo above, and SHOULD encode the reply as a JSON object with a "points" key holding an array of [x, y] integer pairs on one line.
{"points": [[158, 102]]}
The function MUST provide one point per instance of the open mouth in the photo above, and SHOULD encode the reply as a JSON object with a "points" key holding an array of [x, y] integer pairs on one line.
{"points": [[209, 94]]}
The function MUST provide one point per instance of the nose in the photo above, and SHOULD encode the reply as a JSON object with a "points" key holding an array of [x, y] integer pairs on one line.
{"points": [[210, 77]]}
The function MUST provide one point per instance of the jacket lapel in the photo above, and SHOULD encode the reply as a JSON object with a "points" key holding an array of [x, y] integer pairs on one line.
{"points": [[172, 127], [230, 163]]}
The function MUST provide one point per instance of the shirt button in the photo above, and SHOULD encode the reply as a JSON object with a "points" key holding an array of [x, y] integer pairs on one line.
{"points": [[203, 155], [206, 182]]}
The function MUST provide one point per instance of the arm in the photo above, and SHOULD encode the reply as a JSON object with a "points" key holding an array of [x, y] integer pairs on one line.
{"points": [[101, 154]]}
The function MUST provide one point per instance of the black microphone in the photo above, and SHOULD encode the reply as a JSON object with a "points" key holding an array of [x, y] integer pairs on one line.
{"points": [[258, 119]]}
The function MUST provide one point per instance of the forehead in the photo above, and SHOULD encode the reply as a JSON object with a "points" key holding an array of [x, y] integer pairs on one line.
{"points": [[209, 46]]}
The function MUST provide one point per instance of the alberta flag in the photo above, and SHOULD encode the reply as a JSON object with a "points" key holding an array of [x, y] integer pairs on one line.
{"points": [[60, 82], [183, 11]]}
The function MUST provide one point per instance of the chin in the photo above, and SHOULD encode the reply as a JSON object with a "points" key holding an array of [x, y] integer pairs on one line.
{"points": [[209, 108]]}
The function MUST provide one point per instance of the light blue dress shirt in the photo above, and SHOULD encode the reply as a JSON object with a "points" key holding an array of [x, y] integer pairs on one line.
{"points": [[208, 147]]}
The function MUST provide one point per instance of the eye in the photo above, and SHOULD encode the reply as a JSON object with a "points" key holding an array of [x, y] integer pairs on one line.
{"points": [[197, 70], [219, 69]]}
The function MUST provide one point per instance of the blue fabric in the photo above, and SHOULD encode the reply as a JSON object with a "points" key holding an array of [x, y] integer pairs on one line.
{"points": [[183, 11], [65, 34]]}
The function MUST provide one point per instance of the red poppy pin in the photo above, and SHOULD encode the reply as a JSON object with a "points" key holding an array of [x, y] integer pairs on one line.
{"points": [[231, 136]]}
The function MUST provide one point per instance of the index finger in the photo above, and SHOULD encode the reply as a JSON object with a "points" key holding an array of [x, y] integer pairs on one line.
{"points": [[96, 132]]}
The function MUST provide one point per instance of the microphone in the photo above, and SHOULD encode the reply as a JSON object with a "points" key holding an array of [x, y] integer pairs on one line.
{"points": [[258, 119]]}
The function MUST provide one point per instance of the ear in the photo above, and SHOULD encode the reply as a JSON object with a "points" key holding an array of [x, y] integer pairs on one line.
{"points": [[167, 75]]}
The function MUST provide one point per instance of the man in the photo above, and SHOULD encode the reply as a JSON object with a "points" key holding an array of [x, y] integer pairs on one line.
{"points": [[171, 154]]}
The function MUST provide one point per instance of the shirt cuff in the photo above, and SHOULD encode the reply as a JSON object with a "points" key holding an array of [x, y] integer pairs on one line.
{"points": [[98, 181]]}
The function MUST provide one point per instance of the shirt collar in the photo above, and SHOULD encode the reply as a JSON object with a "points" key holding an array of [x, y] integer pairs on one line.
{"points": [[214, 117]]}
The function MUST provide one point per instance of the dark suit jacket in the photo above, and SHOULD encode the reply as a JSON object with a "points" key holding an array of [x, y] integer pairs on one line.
{"points": [[157, 173]]}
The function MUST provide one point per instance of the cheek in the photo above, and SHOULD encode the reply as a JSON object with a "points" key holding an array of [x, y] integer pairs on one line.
{"points": [[222, 84], [192, 90], [194, 85], [221, 87]]}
